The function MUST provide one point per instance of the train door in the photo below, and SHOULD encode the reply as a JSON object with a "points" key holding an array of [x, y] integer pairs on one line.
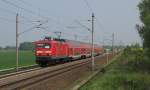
{"points": [[57, 49], [63, 50], [70, 52]]}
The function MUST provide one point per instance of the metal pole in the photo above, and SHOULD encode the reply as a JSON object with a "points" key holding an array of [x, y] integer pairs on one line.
{"points": [[17, 36], [113, 44], [107, 56], [93, 61]]}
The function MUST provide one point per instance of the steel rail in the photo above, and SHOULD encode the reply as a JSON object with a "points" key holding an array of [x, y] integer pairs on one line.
{"points": [[44, 76]]}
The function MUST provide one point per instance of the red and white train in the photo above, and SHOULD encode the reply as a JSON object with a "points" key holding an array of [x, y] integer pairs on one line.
{"points": [[52, 50]]}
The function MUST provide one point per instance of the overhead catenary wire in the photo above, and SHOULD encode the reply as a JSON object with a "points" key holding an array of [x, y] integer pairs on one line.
{"points": [[29, 11], [24, 2], [99, 23], [10, 20], [79, 25], [97, 20], [43, 10], [88, 5], [26, 10], [58, 23], [23, 19], [29, 4], [7, 20], [22, 8], [19, 7], [7, 11], [14, 5], [66, 33], [82, 25], [92, 11], [14, 13]]}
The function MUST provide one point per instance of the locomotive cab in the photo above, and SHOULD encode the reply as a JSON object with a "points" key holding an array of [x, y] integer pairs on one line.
{"points": [[42, 52], [43, 49]]}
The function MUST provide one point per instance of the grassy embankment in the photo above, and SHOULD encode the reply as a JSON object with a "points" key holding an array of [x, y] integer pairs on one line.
{"points": [[8, 59], [131, 71]]}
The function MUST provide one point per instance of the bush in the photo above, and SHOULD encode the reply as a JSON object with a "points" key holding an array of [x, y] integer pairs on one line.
{"points": [[129, 72]]}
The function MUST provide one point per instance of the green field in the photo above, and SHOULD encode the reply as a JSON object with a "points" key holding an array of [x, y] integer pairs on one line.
{"points": [[8, 59], [130, 71]]}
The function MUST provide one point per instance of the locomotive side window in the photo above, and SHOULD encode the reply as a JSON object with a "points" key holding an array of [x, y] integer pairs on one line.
{"points": [[43, 45], [83, 49]]}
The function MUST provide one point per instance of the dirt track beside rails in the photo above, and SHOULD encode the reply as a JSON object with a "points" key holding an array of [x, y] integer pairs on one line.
{"points": [[61, 82], [64, 80]]}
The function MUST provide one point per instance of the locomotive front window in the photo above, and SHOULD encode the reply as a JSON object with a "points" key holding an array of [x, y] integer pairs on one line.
{"points": [[43, 45]]}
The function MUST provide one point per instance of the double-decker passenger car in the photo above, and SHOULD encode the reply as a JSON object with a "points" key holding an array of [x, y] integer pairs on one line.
{"points": [[52, 50]]}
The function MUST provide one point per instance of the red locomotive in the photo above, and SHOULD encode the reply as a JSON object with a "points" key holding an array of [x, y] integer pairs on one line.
{"points": [[52, 50]]}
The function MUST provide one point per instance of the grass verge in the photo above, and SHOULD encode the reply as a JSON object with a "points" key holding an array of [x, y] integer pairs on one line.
{"points": [[8, 59], [129, 72]]}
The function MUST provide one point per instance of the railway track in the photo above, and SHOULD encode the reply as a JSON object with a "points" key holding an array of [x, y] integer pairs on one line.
{"points": [[10, 72], [5, 71], [19, 72], [21, 80]]}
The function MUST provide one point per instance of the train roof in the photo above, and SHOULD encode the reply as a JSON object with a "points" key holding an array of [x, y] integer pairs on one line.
{"points": [[72, 43]]}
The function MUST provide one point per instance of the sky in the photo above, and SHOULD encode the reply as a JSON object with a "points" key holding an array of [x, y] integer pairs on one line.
{"points": [[111, 16]]}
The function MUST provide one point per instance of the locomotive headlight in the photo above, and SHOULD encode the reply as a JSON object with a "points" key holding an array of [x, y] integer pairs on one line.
{"points": [[47, 51], [39, 51]]}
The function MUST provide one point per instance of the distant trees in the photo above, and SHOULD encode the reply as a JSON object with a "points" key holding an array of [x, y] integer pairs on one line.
{"points": [[9, 48], [1, 48], [26, 46], [144, 29]]}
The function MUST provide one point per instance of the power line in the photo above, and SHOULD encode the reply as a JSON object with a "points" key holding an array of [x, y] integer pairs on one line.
{"points": [[88, 5], [19, 7], [7, 11], [91, 10], [14, 13], [82, 25], [66, 33], [31, 5], [6, 19], [24, 2], [58, 23], [24, 19], [100, 25]]}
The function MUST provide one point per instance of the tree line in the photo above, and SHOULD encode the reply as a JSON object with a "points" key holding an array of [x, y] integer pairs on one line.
{"points": [[144, 28], [26, 46]]}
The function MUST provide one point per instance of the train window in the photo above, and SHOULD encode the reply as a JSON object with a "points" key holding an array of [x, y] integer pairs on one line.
{"points": [[47, 46], [43, 45], [83, 49]]}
